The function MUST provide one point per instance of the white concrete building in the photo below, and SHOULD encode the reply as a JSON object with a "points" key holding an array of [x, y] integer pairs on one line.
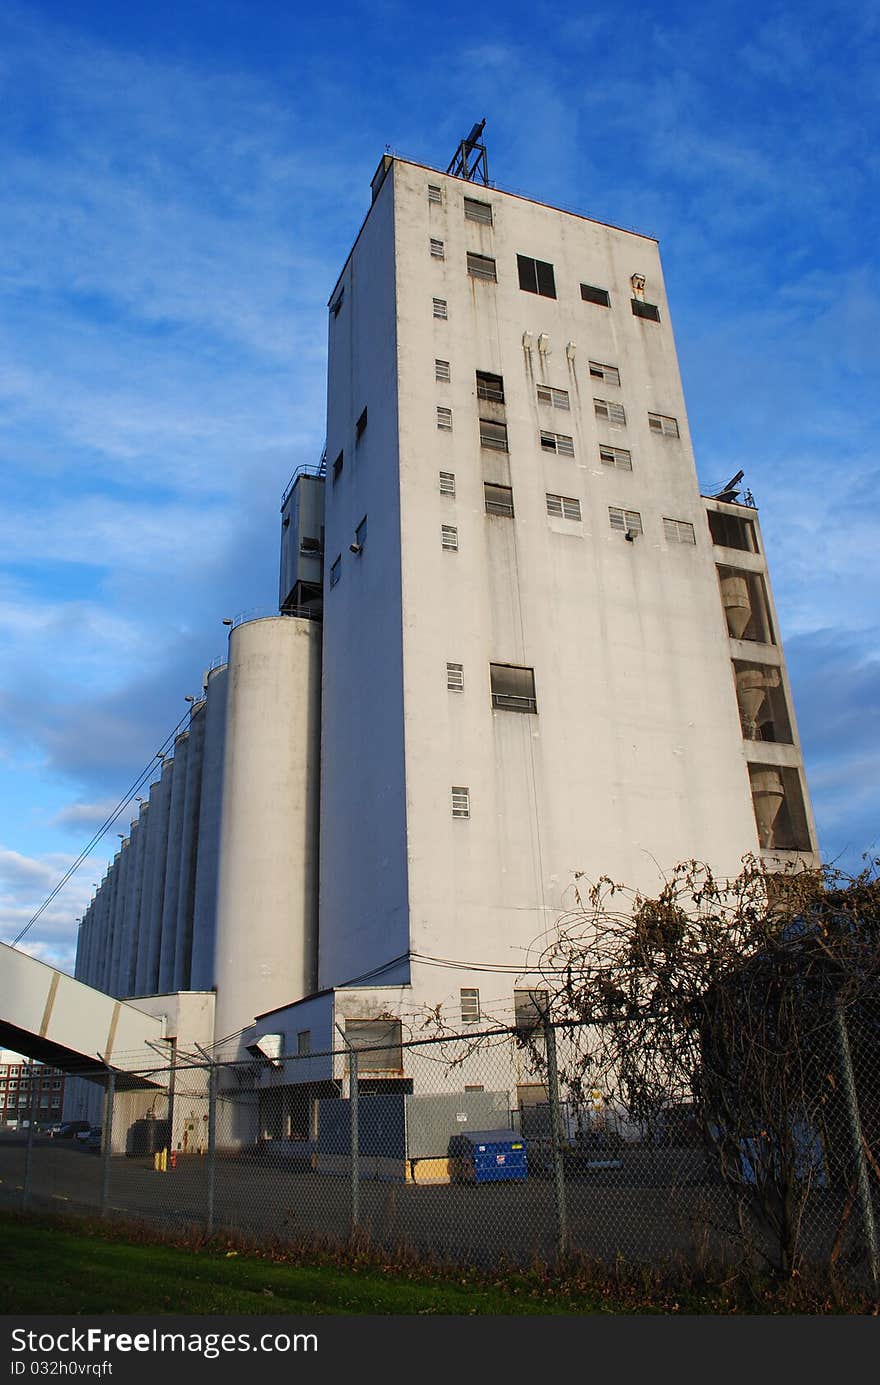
{"points": [[542, 651]]}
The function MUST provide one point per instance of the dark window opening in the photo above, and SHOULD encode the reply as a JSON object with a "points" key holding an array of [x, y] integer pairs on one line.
{"points": [[729, 531], [490, 387], [649, 311], [746, 609], [513, 687], [337, 466], [482, 267], [763, 710], [529, 1008], [360, 426], [499, 500], [536, 276], [493, 435], [591, 294]]}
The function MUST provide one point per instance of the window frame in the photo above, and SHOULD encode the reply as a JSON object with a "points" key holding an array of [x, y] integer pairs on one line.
{"points": [[460, 801], [477, 271], [470, 1011], [673, 529], [497, 506], [538, 272], [441, 310], [599, 297], [449, 488], [454, 677], [449, 532], [626, 525], [444, 418], [497, 441], [616, 461], [490, 387], [437, 248], [564, 500], [560, 443], [663, 431], [551, 392], [502, 701], [599, 370], [610, 411], [444, 376], [480, 217]]}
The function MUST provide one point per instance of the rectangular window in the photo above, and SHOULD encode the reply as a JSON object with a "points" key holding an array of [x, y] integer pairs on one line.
{"points": [[304, 1041], [470, 1004], [360, 533], [461, 802], [529, 1009], [499, 500], [679, 531], [590, 294], [513, 687], [615, 456], [609, 373], [335, 570], [493, 435], [444, 417], [437, 251], [558, 442], [449, 537], [478, 211], [490, 387], [563, 506], [649, 311], [729, 531], [440, 309], [442, 371], [447, 483], [337, 467], [435, 193], [558, 398], [360, 426], [612, 413], [536, 276], [666, 427], [626, 521], [481, 267], [455, 677], [309, 547]]}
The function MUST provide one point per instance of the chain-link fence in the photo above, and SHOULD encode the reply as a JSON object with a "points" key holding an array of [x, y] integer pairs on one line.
{"points": [[476, 1148]]}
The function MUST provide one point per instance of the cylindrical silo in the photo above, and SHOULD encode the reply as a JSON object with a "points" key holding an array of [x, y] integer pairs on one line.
{"points": [[112, 924], [131, 907], [120, 918], [189, 840], [136, 898], [160, 814], [149, 866], [172, 866], [267, 896], [99, 943], [202, 976]]}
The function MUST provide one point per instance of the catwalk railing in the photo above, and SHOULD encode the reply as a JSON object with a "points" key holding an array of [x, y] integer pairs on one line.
{"points": [[470, 1147]]}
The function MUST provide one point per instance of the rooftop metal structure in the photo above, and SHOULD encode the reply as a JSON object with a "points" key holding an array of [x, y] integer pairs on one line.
{"points": [[469, 160]]}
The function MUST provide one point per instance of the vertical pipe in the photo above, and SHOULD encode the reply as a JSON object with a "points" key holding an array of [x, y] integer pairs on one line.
{"points": [[857, 1141], [29, 1149], [107, 1140], [556, 1138], [353, 1095], [212, 1146]]}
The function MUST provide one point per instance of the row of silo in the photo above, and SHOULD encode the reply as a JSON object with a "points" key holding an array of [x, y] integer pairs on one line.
{"points": [[216, 885]]}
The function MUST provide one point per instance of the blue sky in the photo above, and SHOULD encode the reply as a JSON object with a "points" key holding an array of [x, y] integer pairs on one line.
{"points": [[180, 185]]}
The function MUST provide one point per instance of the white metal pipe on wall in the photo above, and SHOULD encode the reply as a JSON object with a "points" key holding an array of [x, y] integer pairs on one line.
{"points": [[267, 893], [172, 866], [189, 837], [202, 974]]}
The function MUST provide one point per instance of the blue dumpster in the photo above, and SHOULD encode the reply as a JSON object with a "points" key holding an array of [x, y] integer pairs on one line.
{"points": [[487, 1156]]}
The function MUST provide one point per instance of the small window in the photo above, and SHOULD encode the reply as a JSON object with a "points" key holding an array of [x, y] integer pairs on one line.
{"points": [[455, 677], [666, 427], [449, 537], [447, 483], [679, 531], [470, 1005], [461, 802], [609, 373], [442, 371], [493, 435], [478, 211], [337, 303], [729, 531], [590, 294], [437, 250], [304, 1041], [513, 687], [444, 417], [360, 533], [558, 398], [335, 570], [615, 456], [626, 521], [558, 442], [529, 1009], [536, 276], [612, 413], [310, 547], [440, 309], [435, 193], [649, 311], [563, 506], [490, 387], [481, 267], [499, 500], [360, 426], [337, 467]]}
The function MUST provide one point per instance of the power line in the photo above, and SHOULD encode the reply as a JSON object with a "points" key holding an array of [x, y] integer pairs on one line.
{"points": [[105, 827]]}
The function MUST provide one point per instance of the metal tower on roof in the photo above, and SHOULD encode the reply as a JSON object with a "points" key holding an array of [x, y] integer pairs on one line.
{"points": [[469, 160]]}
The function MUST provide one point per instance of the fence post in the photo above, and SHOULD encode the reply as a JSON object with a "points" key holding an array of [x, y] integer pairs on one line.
{"points": [[857, 1140], [355, 1135], [29, 1148], [107, 1140], [212, 1146], [556, 1137]]}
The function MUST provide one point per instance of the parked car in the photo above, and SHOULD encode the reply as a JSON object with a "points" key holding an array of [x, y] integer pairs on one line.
{"points": [[93, 1138], [70, 1129], [54, 1130]]}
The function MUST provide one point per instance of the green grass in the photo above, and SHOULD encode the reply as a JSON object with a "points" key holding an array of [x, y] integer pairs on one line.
{"points": [[51, 1267]]}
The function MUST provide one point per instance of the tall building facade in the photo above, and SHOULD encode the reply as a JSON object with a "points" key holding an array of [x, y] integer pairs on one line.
{"points": [[516, 645]]}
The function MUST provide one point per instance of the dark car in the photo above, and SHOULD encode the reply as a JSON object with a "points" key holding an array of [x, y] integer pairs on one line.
{"points": [[70, 1129]]}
